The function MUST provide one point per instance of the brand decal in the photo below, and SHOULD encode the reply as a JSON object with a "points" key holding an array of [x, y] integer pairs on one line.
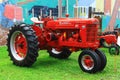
{"points": [[64, 22]]}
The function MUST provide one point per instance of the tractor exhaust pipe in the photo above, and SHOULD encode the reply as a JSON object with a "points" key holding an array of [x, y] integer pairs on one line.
{"points": [[59, 8]]}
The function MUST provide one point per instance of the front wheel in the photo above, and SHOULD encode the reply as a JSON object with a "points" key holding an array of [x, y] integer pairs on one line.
{"points": [[89, 61], [22, 45], [60, 54]]}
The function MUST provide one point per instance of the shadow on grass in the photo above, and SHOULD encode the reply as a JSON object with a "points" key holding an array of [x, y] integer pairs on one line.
{"points": [[50, 61]]}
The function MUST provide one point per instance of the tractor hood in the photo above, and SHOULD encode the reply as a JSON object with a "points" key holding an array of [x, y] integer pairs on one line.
{"points": [[66, 23]]}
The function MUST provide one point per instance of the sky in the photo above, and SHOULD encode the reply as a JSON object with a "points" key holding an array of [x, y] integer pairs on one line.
{"points": [[85, 2]]}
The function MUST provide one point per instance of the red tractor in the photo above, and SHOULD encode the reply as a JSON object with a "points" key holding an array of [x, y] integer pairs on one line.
{"points": [[60, 38]]}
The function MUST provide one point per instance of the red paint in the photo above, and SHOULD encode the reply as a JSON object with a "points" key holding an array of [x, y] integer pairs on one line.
{"points": [[21, 45], [75, 34], [88, 61], [109, 38], [65, 32]]}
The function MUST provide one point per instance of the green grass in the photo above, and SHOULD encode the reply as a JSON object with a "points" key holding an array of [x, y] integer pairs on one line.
{"points": [[47, 68]]}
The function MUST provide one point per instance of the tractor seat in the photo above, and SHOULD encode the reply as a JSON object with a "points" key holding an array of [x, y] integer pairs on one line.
{"points": [[35, 20]]}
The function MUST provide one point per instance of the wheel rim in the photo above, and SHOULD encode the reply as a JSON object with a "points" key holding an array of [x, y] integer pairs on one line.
{"points": [[55, 51], [113, 50], [18, 45], [87, 62]]}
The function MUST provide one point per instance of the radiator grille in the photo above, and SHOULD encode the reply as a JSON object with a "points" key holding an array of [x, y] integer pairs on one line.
{"points": [[91, 33]]}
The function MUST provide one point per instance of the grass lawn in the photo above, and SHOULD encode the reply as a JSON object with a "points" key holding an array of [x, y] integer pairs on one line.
{"points": [[47, 68]]}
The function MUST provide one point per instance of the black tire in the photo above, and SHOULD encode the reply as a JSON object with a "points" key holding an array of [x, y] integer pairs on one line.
{"points": [[29, 44], [63, 54], [102, 58], [91, 59], [114, 49]]}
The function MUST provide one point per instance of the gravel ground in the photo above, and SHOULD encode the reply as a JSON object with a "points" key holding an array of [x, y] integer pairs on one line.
{"points": [[3, 35]]}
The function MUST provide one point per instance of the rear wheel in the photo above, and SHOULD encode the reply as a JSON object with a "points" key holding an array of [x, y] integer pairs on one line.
{"points": [[22, 45], [102, 58], [60, 54], [89, 61]]}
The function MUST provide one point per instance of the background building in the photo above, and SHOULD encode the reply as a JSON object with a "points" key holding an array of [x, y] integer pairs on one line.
{"points": [[75, 8]]}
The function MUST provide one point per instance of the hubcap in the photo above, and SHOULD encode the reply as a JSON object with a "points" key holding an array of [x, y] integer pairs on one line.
{"points": [[87, 62], [18, 45], [113, 50]]}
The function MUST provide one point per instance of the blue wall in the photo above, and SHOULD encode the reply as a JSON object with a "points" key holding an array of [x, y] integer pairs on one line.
{"points": [[49, 4], [27, 7], [106, 20]]}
